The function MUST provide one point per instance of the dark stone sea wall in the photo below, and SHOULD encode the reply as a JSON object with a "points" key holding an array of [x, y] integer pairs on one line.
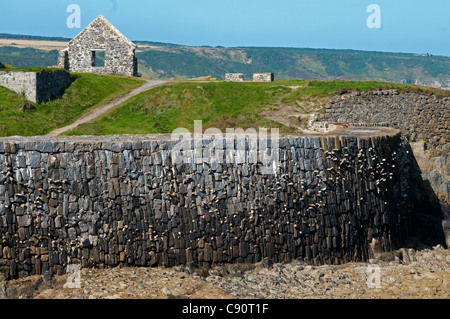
{"points": [[420, 117], [129, 201], [425, 121]]}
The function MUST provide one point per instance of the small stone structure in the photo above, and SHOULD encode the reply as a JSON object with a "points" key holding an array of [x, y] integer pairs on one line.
{"points": [[38, 87], [234, 77], [263, 77], [101, 49]]}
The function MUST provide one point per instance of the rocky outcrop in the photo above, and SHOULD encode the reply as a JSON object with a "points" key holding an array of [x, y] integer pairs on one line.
{"points": [[408, 273]]}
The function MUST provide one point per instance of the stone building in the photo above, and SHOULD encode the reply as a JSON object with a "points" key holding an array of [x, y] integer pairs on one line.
{"points": [[263, 77], [100, 48], [234, 77]]}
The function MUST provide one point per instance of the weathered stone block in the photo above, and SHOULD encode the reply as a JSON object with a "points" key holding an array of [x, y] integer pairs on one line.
{"points": [[24, 221], [234, 77]]}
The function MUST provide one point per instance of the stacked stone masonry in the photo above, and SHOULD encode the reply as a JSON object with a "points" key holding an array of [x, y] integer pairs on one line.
{"points": [[100, 37], [38, 87], [234, 77], [111, 201], [420, 117], [263, 77]]}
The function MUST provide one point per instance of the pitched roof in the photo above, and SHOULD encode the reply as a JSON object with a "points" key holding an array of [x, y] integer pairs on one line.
{"points": [[109, 26]]}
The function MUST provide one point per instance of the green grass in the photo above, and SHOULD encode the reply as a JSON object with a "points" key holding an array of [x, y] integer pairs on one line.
{"points": [[30, 69], [220, 105], [20, 117], [321, 89], [163, 109]]}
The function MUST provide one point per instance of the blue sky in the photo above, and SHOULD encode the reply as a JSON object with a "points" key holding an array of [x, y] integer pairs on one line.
{"points": [[413, 26]]}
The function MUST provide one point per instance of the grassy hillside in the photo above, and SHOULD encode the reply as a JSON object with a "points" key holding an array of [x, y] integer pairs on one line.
{"points": [[21, 117], [160, 60], [224, 105], [28, 57], [168, 61]]}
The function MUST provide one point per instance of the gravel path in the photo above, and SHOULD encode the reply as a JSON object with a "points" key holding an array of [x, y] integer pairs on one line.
{"points": [[405, 274], [89, 116]]}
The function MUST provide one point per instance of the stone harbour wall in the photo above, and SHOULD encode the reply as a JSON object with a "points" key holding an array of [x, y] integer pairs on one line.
{"points": [[424, 119], [126, 201]]}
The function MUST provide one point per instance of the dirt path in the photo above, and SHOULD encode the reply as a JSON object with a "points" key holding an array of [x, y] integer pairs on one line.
{"points": [[89, 116], [297, 115]]}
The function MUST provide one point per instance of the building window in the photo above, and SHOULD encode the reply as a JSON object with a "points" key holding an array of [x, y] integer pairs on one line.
{"points": [[98, 59]]}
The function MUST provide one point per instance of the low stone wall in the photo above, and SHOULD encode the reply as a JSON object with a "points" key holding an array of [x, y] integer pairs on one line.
{"points": [[20, 82], [110, 201], [423, 118], [38, 87]]}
